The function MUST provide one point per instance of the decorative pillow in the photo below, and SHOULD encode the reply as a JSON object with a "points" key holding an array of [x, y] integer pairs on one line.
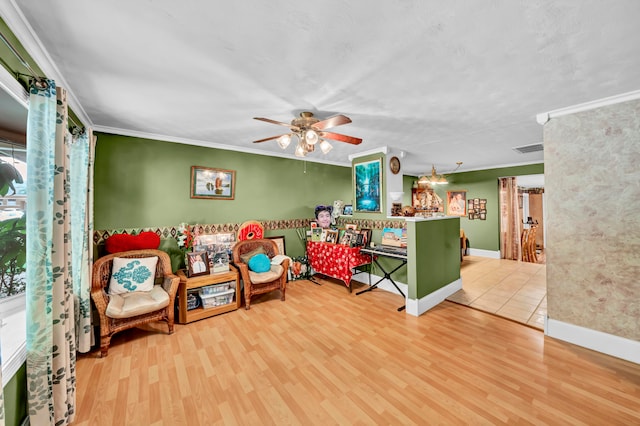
{"points": [[125, 242], [247, 256], [260, 263], [132, 274]]}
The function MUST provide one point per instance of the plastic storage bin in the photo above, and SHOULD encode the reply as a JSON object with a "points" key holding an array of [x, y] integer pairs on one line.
{"points": [[217, 299], [215, 288]]}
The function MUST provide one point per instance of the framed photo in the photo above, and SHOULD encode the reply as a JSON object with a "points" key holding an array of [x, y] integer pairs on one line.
{"points": [[347, 237], [352, 226], [341, 232], [332, 236], [348, 210], [367, 179], [280, 243], [214, 184], [366, 236], [198, 263], [316, 235], [457, 203]]}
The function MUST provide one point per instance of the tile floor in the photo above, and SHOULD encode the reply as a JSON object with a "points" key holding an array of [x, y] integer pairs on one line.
{"points": [[507, 288]]}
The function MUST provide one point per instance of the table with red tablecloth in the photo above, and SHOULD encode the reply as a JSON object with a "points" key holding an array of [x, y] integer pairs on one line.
{"points": [[336, 260]]}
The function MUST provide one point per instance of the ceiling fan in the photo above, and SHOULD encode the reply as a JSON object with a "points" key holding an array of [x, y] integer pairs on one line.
{"points": [[310, 131]]}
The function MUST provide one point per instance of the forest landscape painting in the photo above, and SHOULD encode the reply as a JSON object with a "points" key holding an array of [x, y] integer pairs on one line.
{"points": [[368, 182]]}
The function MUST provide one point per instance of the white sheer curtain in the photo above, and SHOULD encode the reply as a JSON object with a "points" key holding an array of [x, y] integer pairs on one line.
{"points": [[58, 259]]}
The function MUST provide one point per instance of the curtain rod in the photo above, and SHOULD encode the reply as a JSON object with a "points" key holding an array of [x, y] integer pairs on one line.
{"points": [[40, 81], [17, 54]]}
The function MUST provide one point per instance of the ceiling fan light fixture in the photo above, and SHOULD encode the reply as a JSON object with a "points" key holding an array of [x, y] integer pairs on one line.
{"points": [[301, 149], [284, 141], [311, 137], [325, 146]]}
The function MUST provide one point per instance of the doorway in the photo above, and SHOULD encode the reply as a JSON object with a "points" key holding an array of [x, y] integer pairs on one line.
{"points": [[531, 209]]}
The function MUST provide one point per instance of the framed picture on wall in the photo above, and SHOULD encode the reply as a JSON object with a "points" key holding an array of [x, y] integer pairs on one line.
{"points": [[367, 182], [457, 203], [214, 184]]}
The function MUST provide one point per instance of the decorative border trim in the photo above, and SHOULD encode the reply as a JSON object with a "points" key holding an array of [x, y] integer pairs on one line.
{"points": [[605, 343], [99, 236]]}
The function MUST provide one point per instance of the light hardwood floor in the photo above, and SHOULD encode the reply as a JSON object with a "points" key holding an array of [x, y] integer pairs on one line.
{"points": [[507, 288], [328, 357]]}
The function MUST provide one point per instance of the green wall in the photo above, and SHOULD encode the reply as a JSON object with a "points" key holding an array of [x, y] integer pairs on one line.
{"points": [[15, 398], [433, 255], [482, 234], [146, 183]]}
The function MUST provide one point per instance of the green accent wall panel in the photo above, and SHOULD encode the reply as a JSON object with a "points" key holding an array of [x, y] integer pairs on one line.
{"points": [[433, 255], [146, 183]]}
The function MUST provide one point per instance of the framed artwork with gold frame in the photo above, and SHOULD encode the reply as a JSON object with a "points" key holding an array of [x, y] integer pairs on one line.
{"points": [[214, 184]]}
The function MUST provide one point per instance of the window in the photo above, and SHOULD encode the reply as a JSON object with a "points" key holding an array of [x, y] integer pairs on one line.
{"points": [[12, 261], [13, 124]]}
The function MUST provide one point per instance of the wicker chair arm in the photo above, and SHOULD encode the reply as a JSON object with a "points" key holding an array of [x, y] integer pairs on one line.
{"points": [[171, 283]]}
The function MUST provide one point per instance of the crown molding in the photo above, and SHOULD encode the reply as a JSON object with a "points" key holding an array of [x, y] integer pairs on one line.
{"points": [[383, 149], [542, 118], [15, 19]]}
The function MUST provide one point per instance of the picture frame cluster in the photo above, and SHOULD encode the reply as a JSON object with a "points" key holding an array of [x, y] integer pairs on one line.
{"points": [[477, 209], [349, 236]]}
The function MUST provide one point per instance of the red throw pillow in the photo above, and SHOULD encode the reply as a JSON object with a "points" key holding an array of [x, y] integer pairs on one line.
{"points": [[125, 242]]}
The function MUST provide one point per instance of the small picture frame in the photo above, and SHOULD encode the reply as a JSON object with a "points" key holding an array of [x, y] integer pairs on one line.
{"points": [[197, 263], [214, 184], [366, 236], [348, 210], [332, 236], [279, 240], [351, 226], [350, 238], [346, 238]]}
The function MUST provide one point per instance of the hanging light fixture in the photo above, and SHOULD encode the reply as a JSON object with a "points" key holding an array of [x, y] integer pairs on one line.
{"points": [[436, 179]]}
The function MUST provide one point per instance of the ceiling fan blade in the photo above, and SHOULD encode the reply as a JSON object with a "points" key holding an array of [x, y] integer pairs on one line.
{"points": [[336, 120], [341, 138], [267, 139], [279, 123]]}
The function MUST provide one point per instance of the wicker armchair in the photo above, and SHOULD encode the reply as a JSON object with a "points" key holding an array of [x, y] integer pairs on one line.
{"points": [[259, 283], [164, 280]]}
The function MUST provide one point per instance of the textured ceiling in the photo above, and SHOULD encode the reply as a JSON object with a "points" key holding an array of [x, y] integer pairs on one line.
{"points": [[442, 81]]}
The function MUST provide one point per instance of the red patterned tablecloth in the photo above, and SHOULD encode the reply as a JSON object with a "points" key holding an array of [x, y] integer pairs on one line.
{"points": [[335, 260]]}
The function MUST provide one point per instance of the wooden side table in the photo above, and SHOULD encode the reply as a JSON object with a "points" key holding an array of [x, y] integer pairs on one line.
{"points": [[187, 316]]}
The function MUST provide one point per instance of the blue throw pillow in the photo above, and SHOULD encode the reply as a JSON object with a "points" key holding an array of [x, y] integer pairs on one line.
{"points": [[260, 263]]}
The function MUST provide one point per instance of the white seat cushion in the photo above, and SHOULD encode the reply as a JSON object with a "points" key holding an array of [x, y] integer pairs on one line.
{"points": [[265, 277], [134, 303]]}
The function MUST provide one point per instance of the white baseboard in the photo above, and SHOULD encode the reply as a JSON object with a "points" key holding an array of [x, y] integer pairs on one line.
{"points": [[609, 344], [485, 253], [417, 307]]}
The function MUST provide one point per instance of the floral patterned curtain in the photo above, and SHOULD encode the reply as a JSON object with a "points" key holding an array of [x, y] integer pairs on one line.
{"points": [[57, 255], [509, 219]]}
